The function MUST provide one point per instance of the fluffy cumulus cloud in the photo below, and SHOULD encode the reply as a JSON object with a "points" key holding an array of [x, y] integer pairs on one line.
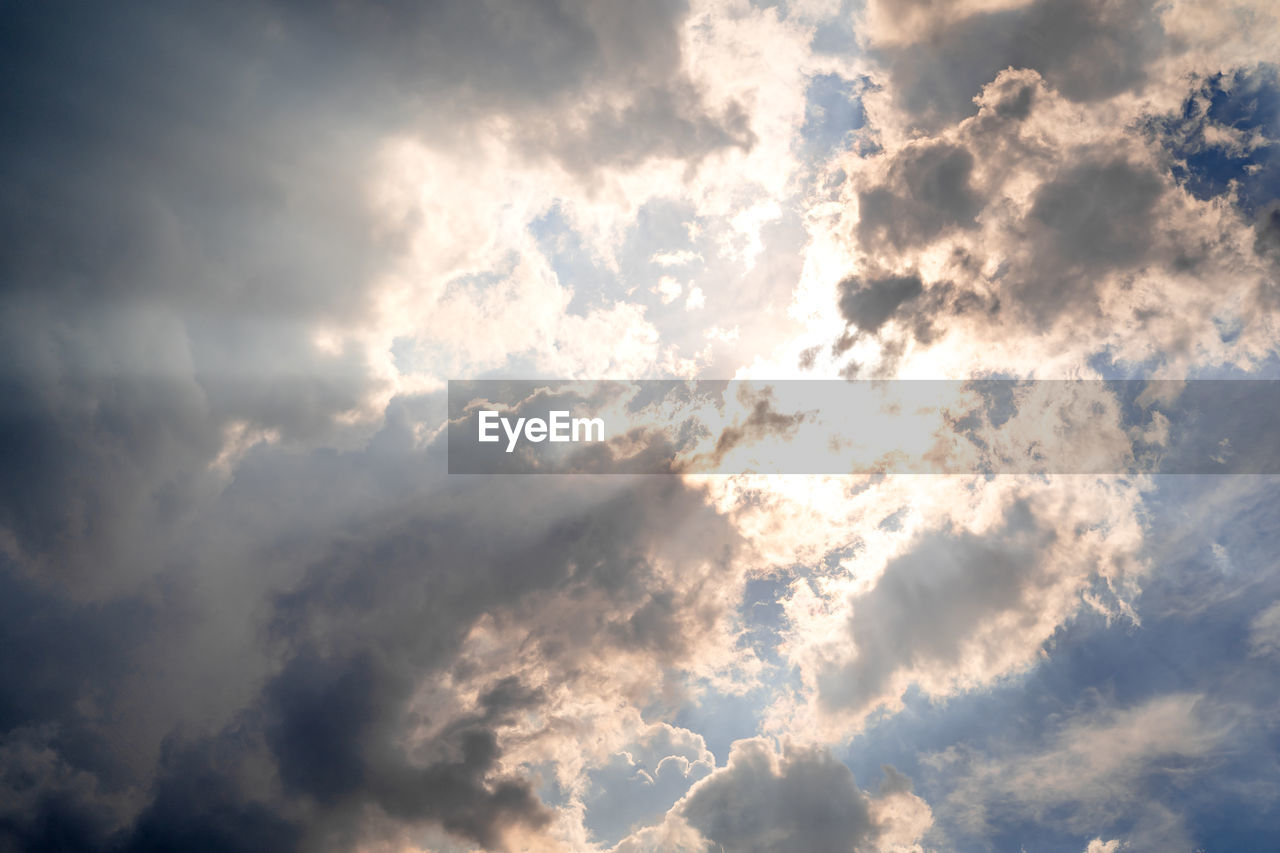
{"points": [[797, 799], [1057, 181], [244, 607], [936, 589], [1038, 225]]}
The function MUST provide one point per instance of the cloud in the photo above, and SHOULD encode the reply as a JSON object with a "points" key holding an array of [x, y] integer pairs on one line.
{"points": [[762, 420], [327, 731], [955, 603], [1225, 139], [1053, 238], [761, 802], [678, 258], [1264, 632], [668, 289], [1101, 768], [1097, 845], [197, 804], [407, 666], [928, 601], [926, 194], [1086, 50], [869, 306], [797, 799], [242, 606], [206, 246], [641, 782]]}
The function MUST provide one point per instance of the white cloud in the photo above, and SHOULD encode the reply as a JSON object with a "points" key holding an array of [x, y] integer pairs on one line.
{"points": [[1264, 632], [966, 588], [668, 289], [679, 258], [1097, 845], [1090, 772]]}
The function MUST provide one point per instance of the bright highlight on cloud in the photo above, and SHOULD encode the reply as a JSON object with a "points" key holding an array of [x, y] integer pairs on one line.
{"points": [[244, 605]]}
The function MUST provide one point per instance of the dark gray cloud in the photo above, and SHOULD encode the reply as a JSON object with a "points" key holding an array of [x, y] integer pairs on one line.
{"points": [[667, 120], [390, 609], [1097, 213], [56, 654], [206, 658], [807, 800], [331, 727], [923, 313], [358, 619], [199, 805], [768, 799], [1086, 49], [869, 305], [1097, 216], [928, 192], [1267, 231], [811, 803], [1017, 103]]}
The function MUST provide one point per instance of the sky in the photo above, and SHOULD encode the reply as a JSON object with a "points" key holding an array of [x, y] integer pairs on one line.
{"points": [[244, 248]]}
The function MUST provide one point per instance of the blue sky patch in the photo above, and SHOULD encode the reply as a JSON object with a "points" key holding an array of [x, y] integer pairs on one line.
{"points": [[1228, 133]]}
